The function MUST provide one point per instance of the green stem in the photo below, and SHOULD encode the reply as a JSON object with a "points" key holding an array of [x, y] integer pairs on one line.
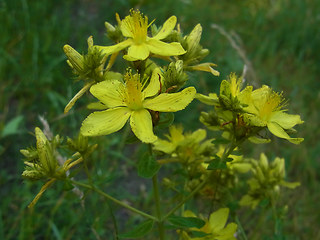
{"points": [[185, 199], [241, 228], [107, 196], [158, 209]]}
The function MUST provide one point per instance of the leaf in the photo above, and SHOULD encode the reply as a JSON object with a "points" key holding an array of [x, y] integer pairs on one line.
{"points": [[198, 234], [217, 164], [139, 230], [148, 166], [186, 222], [12, 127]]}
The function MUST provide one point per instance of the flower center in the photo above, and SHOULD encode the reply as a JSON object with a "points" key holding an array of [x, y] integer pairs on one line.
{"points": [[273, 103], [137, 25], [133, 96]]}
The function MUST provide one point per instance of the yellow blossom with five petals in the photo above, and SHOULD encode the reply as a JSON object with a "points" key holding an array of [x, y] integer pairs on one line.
{"points": [[135, 28], [265, 109], [130, 99]]}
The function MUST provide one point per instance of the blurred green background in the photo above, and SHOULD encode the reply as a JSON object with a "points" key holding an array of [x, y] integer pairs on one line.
{"points": [[280, 40]]}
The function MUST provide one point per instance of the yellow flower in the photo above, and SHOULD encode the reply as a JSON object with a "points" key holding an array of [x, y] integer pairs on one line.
{"points": [[135, 28], [216, 227], [265, 109], [178, 139], [132, 100]]}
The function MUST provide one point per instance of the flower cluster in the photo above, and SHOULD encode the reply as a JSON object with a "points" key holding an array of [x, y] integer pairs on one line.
{"points": [[145, 96], [245, 113], [266, 181]]}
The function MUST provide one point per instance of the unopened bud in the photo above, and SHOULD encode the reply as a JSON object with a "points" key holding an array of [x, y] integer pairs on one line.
{"points": [[109, 27], [75, 58]]}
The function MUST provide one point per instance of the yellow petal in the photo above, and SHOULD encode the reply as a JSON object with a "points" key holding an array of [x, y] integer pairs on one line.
{"points": [[228, 232], [212, 99], [171, 102], [194, 37], [125, 27], [206, 67], [154, 85], [164, 146], [97, 106], [198, 135], [105, 122], [165, 49], [108, 50], [138, 52], [141, 125], [218, 219], [167, 28], [130, 58], [109, 92], [285, 120], [278, 131]]}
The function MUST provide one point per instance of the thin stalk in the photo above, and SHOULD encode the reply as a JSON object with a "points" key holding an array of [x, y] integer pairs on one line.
{"points": [[77, 96], [185, 199], [42, 190], [107, 196], [158, 209], [241, 228]]}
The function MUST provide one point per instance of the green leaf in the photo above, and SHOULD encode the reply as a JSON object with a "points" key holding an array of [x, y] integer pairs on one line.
{"points": [[12, 127], [148, 166], [186, 222], [198, 234], [218, 141], [139, 230], [217, 164]]}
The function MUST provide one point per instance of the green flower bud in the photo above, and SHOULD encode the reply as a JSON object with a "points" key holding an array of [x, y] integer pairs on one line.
{"points": [[266, 181], [174, 77], [79, 144], [74, 58], [109, 27], [41, 163]]}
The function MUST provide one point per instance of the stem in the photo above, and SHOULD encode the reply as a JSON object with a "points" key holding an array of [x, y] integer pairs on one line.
{"points": [[42, 190], [241, 228], [77, 96], [107, 196], [158, 209], [185, 199]]}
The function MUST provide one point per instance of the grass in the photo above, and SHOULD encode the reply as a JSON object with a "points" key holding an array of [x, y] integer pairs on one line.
{"points": [[280, 38]]}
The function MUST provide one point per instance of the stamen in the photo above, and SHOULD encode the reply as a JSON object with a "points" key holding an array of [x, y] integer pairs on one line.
{"points": [[133, 91]]}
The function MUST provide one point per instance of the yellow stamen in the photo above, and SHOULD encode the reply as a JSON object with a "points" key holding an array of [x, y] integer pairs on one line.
{"points": [[273, 103], [133, 96], [137, 24]]}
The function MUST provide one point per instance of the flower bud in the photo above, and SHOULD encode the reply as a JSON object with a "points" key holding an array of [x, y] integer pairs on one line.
{"points": [[109, 27], [75, 58]]}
